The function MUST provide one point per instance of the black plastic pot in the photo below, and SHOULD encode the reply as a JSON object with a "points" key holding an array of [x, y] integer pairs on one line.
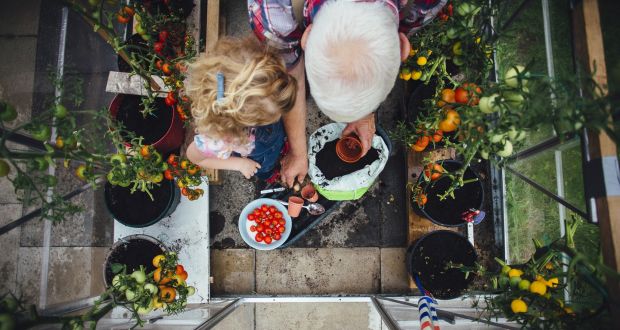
{"points": [[429, 257], [138, 210], [449, 211], [132, 251]]}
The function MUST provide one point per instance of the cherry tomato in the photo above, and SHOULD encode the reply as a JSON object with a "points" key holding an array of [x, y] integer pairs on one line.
{"points": [[433, 171], [184, 163], [158, 47], [278, 215], [192, 170], [158, 64], [122, 18], [437, 136], [253, 228], [166, 69], [145, 152], [268, 240], [421, 200], [281, 229], [163, 35], [282, 222], [264, 208], [272, 209], [277, 237], [184, 191], [168, 175], [171, 159], [179, 269], [258, 237], [251, 217], [268, 231], [260, 228]]}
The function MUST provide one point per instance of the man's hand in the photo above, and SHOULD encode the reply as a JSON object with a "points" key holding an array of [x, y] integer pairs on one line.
{"points": [[293, 167], [364, 129]]}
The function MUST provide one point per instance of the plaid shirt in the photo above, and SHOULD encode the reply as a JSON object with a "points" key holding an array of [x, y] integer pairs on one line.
{"points": [[274, 23]]}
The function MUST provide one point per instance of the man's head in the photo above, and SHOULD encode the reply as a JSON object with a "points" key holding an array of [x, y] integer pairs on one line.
{"points": [[352, 55]]}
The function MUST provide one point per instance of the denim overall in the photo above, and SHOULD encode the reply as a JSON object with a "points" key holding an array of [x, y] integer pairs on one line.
{"points": [[268, 143]]}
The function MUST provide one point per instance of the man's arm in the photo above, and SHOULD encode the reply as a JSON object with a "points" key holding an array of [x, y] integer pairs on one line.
{"points": [[364, 129], [295, 163]]}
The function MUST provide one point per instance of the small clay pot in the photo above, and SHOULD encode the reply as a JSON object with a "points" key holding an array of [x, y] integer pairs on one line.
{"points": [[349, 149], [309, 193], [294, 206]]}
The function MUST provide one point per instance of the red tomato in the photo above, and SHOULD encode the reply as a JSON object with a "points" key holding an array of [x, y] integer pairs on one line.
{"points": [[268, 231], [258, 237], [168, 175], [158, 47], [282, 222], [460, 95], [268, 240], [252, 228], [272, 209], [264, 208], [277, 237], [163, 36], [179, 270], [260, 228], [281, 229], [251, 217], [257, 212], [166, 69], [268, 222]]}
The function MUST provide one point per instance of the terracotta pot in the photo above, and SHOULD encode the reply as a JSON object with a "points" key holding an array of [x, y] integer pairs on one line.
{"points": [[294, 206], [349, 149], [309, 193]]}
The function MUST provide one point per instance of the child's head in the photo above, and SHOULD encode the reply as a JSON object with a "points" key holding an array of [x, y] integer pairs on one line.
{"points": [[257, 89]]}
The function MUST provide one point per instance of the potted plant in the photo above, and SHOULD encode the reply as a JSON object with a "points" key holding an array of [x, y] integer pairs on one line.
{"points": [[560, 287], [434, 262], [132, 252], [429, 196], [137, 290]]}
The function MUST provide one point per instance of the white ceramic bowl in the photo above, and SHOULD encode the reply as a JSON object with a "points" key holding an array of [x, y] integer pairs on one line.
{"points": [[244, 224]]}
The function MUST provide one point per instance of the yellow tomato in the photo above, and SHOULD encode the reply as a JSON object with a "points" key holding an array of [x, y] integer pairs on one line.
{"points": [[515, 272], [421, 61], [416, 75], [538, 287], [518, 306], [158, 259]]}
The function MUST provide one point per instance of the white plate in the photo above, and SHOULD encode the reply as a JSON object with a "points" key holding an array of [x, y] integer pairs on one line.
{"points": [[244, 224]]}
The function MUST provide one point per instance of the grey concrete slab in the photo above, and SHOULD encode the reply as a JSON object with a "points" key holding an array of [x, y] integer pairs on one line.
{"points": [[29, 274], [19, 18], [17, 75], [7, 192], [318, 271], [310, 316], [240, 318], [90, 227], [394, 278], [73, 273], [9, 245], [232, 271]]}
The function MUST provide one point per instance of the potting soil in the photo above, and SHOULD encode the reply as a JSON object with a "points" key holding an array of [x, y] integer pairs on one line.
{"points": [[449, 210], [138, 209], [431, 262], [133, 254], [153, 126], [332, 167]]}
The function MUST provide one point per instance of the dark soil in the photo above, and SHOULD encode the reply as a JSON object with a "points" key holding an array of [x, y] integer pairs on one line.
{"points": [[448, 212], [333, 167], [133, 253], [138, 209], [152, 127], [430, 257], [181, 7]]}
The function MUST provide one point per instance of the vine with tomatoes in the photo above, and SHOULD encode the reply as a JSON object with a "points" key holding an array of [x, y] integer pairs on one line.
{"points": [[187, 175], [140, 293], [165, 49], [479, 118]]}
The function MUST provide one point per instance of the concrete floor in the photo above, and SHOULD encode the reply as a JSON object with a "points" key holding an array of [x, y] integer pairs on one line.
{"points": [[370, 232]]}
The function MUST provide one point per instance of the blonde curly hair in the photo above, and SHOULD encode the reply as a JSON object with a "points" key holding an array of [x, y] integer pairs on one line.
{"points": [[257, 89]]}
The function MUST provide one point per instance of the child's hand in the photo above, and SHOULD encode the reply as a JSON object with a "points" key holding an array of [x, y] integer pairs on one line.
{"points": [[247, 167]]}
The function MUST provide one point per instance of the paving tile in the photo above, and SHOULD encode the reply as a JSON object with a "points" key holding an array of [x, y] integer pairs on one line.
{"points": [[29, 274], [309, 316], [232, 271], [7, 192], [91, 227], [20, 17], [17, 75], [318, 271], [240, 318], [73, 273], [394, 278], [9, 245]]}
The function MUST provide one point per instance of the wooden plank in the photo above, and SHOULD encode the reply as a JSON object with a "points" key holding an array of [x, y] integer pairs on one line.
{"points": [[213, 23], [590, 52], [418, 225]]}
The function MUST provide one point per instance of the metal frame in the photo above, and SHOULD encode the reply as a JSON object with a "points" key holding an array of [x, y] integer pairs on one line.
{"points": [[220, 315]]}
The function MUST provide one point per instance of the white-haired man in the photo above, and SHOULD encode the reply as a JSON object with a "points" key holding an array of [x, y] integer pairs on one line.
{"points": [[353, 50]]}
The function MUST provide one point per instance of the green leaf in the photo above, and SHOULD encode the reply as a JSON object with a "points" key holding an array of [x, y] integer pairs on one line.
{"points": [[117, 268]]}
